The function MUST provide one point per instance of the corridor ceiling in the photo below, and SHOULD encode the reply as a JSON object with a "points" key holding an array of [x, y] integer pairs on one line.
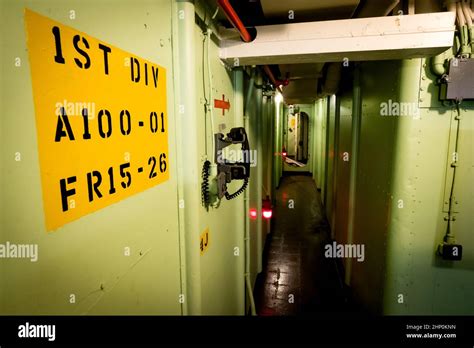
{"points": [[303, 77]]}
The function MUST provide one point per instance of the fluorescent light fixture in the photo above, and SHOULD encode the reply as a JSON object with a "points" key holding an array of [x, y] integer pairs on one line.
{"points": [[278, 97]]}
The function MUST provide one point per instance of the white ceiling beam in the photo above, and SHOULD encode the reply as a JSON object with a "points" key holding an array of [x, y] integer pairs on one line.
{"points": [[377, 38]]}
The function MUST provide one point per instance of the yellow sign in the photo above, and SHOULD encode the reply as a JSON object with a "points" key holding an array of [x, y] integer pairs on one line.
{"points": [[101, 120], [204, 242]]}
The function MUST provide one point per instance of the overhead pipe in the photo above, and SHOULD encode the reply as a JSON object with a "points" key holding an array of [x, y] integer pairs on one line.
{"points": [[438, 62], [235, 20], [272, 78], [466, 9], [464, 29], [202, 11], [460, 14], [284, 82], [467, 13]]}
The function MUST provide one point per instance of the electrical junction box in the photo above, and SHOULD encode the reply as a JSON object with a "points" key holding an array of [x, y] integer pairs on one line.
{"points": [[459, 84]]}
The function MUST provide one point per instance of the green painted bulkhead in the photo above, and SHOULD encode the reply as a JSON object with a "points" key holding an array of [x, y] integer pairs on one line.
{"points": [[385, 183], [82, 267], [385, 180]]}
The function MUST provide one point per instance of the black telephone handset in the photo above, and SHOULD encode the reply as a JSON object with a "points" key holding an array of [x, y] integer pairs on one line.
{"points": [[227, 170]]}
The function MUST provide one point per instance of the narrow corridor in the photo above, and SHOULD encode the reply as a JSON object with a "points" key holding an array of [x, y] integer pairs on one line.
{"points": [[296, 277]]}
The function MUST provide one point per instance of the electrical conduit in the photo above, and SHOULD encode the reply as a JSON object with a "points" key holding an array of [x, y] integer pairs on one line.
{"points": [[466, 10], [438, 63], [244, 34]]}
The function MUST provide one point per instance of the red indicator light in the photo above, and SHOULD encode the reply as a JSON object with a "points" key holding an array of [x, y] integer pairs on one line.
{"points": [[267, 214], [253, 213], [267, 208]]}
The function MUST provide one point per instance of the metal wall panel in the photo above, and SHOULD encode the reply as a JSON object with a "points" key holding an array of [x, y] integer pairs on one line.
{"points": [[221, 270], [86, 257], [430, 285], [344, 157]]}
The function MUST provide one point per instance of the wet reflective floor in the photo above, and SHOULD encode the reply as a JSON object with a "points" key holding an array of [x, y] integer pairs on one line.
{"points": [[297, 278]]}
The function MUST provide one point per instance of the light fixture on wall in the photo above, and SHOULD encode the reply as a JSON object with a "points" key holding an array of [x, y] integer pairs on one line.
{"points": [[253, 213], [278, 97], [267, 208]]}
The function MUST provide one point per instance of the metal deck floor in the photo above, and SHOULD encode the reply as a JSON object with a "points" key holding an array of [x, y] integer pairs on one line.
{"points": [[296, 277]]}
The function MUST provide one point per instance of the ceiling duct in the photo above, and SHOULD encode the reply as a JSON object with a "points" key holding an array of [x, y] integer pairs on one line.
{"points": [[368, 8]]}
